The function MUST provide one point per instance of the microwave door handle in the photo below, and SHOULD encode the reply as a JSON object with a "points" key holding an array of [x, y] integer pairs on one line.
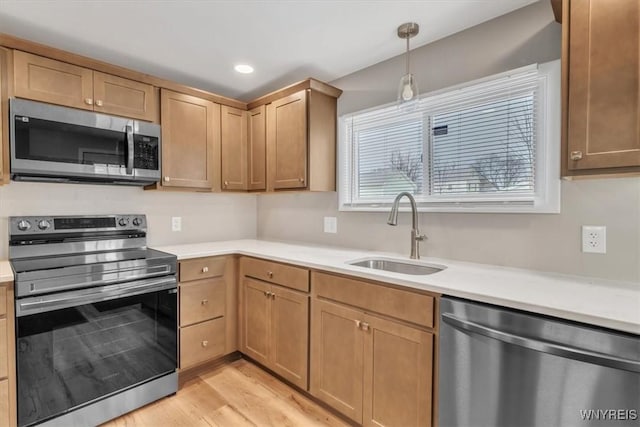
{"points": [[129, 130]]}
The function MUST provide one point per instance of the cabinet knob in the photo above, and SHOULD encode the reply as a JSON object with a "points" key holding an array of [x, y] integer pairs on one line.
{"points": [[88, 101], [205, 269], [166, 179], [301, 179], [205, 343], [576, 155], [226, 184], [204, 302], [273, 295], [364, 326], [266, 294], [99, 102], [270, 274]]}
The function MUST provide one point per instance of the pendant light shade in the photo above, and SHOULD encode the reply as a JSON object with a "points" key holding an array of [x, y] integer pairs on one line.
{"points": [[407, 89]]}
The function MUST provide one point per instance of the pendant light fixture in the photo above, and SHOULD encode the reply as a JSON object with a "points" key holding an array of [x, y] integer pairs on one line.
{"points": [[408, 89]]}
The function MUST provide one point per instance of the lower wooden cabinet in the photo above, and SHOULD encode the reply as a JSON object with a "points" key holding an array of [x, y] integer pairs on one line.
{"points": [[373, 369], [208, 309], [4, 403], [7, 357], [276, 329]]}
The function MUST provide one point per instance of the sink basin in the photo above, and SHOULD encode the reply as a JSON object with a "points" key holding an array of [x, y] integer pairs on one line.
{"points": [[416, 269]]}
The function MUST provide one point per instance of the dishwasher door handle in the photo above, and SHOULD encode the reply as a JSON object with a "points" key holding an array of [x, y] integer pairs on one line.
{"points": [[544, 346]]}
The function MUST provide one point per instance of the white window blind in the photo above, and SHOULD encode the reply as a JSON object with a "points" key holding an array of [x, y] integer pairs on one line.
{"points": [[481, 146]]}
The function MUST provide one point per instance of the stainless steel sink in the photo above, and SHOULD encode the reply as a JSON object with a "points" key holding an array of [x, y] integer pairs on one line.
{"points": [[416, 269]]}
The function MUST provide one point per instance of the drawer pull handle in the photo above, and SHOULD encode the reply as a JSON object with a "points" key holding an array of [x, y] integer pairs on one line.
{"points": [[204, 302], [576, 155], [270, 274], [205, 343], [205, 269]]}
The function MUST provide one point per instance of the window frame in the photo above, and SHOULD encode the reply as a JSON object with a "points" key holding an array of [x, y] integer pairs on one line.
{"points": [[546, 198]]}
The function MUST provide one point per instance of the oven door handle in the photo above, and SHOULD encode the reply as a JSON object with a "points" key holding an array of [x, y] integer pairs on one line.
{"points": [[42, 304]]}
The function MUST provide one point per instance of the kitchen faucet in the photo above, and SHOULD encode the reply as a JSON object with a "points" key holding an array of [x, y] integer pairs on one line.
{"points": [[416, 237]]}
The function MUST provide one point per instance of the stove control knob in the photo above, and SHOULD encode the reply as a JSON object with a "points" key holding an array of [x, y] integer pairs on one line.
{"points": [[123, 222], [44, 224], [137, 222], [24, 225]]}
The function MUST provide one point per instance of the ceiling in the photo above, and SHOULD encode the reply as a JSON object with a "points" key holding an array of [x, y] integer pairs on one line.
{"points": [[198, 42]]}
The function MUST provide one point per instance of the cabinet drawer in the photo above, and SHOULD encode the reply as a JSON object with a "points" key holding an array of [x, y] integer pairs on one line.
{"points": [[202, 268], [4, 349], [4, 403], [202, 300], [412, 307], [281, 274], [201, 342], [3, 300]]}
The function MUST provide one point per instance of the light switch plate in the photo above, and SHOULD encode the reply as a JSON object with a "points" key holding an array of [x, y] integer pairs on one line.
{"points": [[594, 239], [176, 223], [330, 224]]}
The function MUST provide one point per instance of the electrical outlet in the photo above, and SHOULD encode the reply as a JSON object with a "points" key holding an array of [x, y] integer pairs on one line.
{"points": [[594, 239], [176, 223], [330, 224]]}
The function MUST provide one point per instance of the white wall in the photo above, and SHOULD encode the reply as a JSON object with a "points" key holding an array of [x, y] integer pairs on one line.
{"points": [[205, 217], [541, 241]]}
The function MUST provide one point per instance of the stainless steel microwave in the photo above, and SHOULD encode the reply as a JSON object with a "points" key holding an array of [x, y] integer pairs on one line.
{"points": [[59, 144]]}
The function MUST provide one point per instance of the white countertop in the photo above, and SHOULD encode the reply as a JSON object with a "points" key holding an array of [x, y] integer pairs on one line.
{"points": [[6, 273], [601, 302]]}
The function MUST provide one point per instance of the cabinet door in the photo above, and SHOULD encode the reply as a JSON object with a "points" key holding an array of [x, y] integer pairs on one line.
{"points": [[337, 357], [234, 148], [398, 366], [604, 95], [56, 82], [290, 335], [4, 403], [4, 116], [190, 141], [257, 139], [123, 97], [4, 349], [287, 142], [256, 315]]}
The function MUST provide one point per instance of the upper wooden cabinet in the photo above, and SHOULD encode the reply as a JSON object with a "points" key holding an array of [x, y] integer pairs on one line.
{"points": [[55, 82], [257, 152], [300, 137], [301, 142], [190, 142], [233, 144], [4, 115], [287, 142], [601, 77]]}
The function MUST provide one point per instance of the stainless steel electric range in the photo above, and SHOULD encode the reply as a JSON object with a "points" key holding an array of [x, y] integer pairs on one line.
{"points": [[96, 318]]}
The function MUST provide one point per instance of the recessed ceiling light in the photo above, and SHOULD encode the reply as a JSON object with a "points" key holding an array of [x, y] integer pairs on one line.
{"points": [[244, 68]]}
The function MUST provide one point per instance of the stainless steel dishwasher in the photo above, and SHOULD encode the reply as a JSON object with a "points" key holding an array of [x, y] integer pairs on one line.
{"points": [[502, 367]]}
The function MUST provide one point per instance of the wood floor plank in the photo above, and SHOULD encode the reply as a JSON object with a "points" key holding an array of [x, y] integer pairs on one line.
{"points": [[238, 394]]}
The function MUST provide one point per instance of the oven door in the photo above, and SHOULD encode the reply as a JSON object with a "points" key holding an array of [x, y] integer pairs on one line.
{"points": [[74, 348]]}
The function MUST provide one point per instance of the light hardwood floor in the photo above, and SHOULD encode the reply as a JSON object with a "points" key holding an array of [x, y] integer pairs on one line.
{"points": [[235, 394]]}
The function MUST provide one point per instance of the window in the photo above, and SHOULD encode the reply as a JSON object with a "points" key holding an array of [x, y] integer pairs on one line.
{"points": [[486, 146]]}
